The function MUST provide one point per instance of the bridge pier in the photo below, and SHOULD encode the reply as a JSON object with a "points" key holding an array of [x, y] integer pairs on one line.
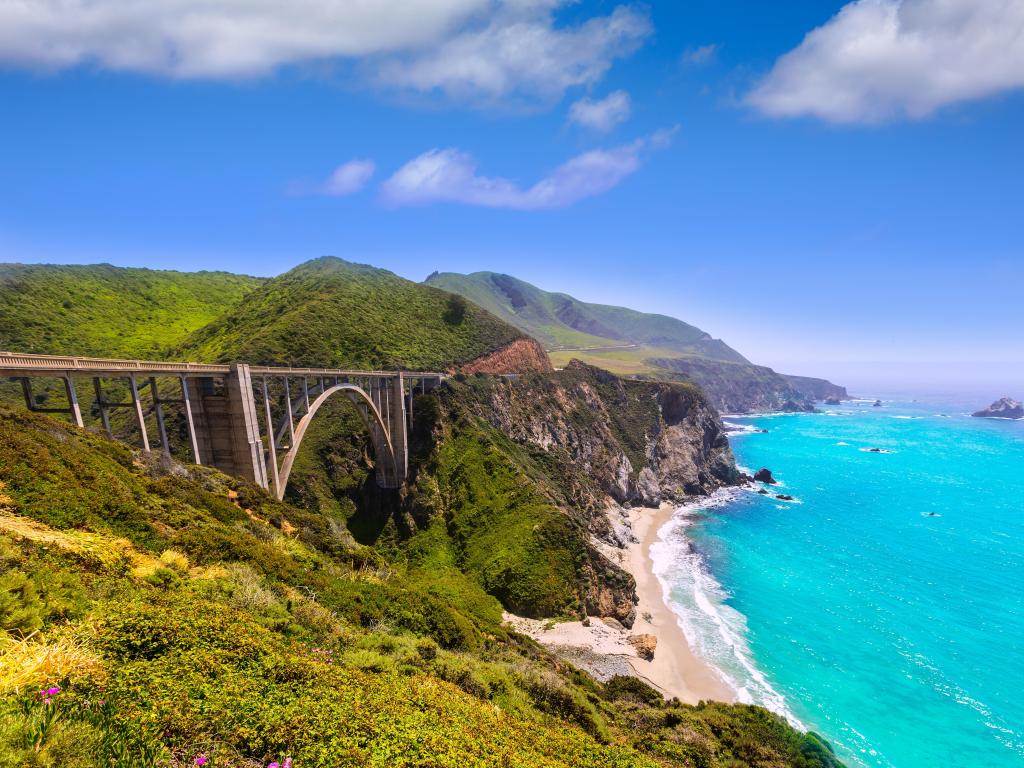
{"points": [[225, 429]]}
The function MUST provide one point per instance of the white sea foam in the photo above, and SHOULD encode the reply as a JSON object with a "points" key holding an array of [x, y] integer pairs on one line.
{"points": [[841, 442], [735, 430], [712, 627]]}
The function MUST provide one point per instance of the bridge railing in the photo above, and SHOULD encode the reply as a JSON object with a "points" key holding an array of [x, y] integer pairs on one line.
{"points": [[14, 363]]}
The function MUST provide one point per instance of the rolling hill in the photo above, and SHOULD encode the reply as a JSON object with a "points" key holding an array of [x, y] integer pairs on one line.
{"points": [[632, 343], [330, 312], [106, 311], [561, 322]]}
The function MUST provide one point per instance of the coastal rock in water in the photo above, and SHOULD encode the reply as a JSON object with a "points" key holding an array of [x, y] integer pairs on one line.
{"points": [[765, 476], [795, 406], [763, 492], [833, 401], [784, 497], [878, 404], [645, 645], [1003, 408]]}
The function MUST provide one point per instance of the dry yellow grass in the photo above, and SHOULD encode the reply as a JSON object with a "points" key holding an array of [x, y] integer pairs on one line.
{"points": [[102, 550], [106, 551], [174, 560], [37, 661]]}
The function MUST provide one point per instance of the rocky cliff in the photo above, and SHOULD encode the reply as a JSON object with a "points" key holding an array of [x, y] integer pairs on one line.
{"points": [[739, 388], [636, 442], [521, 356], [529, 475], [816, 389]]}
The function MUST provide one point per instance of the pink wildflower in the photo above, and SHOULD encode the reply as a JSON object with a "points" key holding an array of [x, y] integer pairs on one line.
{"points": [[201, 760]]}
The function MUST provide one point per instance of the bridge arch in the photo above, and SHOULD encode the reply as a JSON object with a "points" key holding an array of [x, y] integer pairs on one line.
{"points": [[380, 438]]}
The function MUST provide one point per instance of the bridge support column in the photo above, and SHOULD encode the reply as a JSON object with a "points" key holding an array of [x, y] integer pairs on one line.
{"points": [[73, 409], [397, 426], [226, 427]]}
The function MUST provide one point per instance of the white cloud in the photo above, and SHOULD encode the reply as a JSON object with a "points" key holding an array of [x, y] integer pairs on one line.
{"points": [[883, 59], [705, 54], [218, 38], [521, 50], [349, 178], [448, 175], [478, 48], [602, 114]]}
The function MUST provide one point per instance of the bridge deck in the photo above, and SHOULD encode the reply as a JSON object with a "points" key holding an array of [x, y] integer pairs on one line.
{"points": [[16, 364]]}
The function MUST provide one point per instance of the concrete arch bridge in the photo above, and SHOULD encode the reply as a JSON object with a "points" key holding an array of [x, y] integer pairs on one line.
{"points": [[247, 421]]}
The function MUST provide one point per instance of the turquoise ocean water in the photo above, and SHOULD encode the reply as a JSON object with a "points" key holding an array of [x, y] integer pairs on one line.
{"points": [[884, 608]]}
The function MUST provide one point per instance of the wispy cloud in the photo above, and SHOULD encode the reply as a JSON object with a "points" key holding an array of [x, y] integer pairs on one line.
{"points": [[705, 54], [477, 49], [883, 59], [449, 175], [602, 114], [347, 179]]}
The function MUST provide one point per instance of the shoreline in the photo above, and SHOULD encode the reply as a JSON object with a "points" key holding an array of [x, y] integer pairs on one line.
{"points": [[678, 669], [603, 648]]}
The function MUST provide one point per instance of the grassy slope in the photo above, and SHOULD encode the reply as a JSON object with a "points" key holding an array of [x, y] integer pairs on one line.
{"points": [[101, 310], [559, 320], [330, 312], [662, 347], [182, 613]]}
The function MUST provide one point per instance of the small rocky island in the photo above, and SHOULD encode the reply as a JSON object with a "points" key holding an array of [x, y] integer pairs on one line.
{"points": [[1003, 408]]}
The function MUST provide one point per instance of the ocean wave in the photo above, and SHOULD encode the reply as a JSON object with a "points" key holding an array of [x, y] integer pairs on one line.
{"points": [[735, 430], [714, 629]]}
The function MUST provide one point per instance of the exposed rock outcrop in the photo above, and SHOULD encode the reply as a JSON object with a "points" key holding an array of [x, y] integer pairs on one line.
{"points": [[1003, 408], [521, 356], [765, 476], [645, 645], [638, 442], [794, 406]]}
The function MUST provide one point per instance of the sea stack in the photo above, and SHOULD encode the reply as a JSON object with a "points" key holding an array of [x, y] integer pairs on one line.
{"points": [[765, 476], [878, 404], [1003, 408]]}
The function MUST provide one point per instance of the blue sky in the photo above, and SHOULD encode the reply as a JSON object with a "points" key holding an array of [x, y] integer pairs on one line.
{"points": [[832, 188]]}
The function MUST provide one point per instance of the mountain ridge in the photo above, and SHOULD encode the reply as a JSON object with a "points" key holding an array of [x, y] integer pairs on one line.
{"points": [[629, 342]]}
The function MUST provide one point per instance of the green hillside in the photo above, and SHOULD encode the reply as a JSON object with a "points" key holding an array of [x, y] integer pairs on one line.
{"points": [[160, 614], [637, 344], [560, 321], [330, 312], [101, 310]]}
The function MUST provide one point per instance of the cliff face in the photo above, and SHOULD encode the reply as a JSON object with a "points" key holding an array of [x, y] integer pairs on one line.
{"points": [[521, 356], [735, 388], [636, 442], [816, 389], [527, 474]]}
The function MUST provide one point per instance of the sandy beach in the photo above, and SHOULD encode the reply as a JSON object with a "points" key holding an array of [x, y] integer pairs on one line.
{"points": [[604, 649]]}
